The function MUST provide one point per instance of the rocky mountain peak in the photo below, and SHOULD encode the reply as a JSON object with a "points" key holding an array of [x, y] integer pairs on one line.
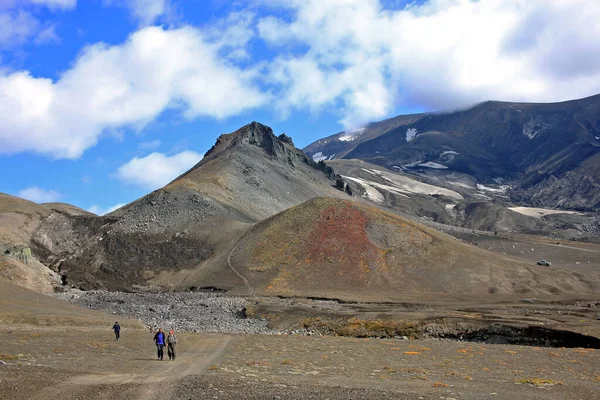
{"points": [[253, 134], [256, 136]]}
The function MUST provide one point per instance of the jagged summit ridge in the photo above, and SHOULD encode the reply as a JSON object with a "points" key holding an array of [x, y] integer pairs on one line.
{"points": [[254, 133], [255, 136]]}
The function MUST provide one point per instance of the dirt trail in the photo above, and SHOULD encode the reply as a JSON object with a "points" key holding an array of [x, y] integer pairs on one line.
{"points": [[242, 277], [149, 379], [571, 247]]}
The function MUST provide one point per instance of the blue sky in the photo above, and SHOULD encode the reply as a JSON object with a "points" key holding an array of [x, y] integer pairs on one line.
{"points": [[102, 101]]}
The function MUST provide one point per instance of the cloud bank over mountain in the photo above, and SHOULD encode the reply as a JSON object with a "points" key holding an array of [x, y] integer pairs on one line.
{"points": [[436, 55]]}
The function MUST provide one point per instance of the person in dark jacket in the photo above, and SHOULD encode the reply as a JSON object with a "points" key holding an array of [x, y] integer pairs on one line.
{"points": [[160, 340], [171, 342], [117, 328]]}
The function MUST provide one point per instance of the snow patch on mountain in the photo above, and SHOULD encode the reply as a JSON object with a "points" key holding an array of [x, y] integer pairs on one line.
{"points": [[370, 192], [499, 189], [319, 157], [432, 165], [540, 212], [411, 133], [402, 185], [449, 152], [351, 135]]}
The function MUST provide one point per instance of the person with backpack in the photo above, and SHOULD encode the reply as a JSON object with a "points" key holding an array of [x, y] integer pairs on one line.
{"points": [[171, 342], [160, 341], [117, 328]]}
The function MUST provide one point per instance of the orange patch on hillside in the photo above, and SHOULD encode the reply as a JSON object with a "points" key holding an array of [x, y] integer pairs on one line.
{"points": [[340, 236]]}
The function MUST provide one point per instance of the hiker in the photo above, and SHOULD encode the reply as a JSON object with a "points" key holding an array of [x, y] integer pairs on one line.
{"points": [[171, 342], [117, 328], [159, 339]]}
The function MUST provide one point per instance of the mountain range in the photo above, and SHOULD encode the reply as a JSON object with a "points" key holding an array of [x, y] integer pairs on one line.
{"points": [[257, 216], [541, 155]]}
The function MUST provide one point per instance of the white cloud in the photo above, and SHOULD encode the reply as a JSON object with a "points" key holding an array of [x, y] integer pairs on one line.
{"points": [[156, 169], [55, 4], [357, 56], [16, 28], [18, 24], [147, 11], [103, 211], [47, 35], [124, 86], [39, 195], [233, 34], [150, 145], [51, 4]]}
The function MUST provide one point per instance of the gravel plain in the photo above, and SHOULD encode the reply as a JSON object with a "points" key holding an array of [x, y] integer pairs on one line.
{"points": [[202, 311]]}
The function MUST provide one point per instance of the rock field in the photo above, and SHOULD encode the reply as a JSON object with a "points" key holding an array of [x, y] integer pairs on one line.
{"points": [[181, 311]]}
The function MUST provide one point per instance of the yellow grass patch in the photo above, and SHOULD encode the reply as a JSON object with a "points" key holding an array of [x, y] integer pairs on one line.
{"points": [[412, 352], [538, 381], [582, 351], [8, 357]]}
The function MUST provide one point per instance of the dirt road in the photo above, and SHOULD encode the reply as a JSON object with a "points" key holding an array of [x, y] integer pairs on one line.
{"points": [[96, 364]]}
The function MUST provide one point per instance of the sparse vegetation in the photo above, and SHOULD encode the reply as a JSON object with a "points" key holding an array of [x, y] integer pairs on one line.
{"points": [[10, 357], [538, 381], [361, 328]]}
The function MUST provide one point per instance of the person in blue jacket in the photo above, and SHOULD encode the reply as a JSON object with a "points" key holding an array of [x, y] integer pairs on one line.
{"points": [[159, 339], [117, 328]]}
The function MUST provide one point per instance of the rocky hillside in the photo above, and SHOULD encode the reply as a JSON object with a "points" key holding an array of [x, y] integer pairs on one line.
{"points": [[182, 233], [338, 248], [458, 200], [542, 155], [258, 174], [19, 221]]}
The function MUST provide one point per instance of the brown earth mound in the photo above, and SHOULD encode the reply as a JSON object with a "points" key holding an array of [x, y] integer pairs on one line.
{"points": [[337, 248]]}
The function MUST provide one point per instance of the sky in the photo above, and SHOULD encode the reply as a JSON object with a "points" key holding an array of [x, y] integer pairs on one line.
{"points": [[103, 101]]}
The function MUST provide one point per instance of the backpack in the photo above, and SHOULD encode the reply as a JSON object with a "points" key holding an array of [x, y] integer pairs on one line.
{"points": [[172, 339]]}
